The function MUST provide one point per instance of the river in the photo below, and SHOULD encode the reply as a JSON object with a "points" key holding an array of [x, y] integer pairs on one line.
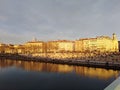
{"points": [[24, 75]]}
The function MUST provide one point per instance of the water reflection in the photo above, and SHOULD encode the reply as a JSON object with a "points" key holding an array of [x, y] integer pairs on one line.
{"points": [[49, 67]]}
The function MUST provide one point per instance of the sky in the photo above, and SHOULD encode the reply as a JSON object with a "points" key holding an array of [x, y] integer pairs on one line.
{"points": [[23, 20]]}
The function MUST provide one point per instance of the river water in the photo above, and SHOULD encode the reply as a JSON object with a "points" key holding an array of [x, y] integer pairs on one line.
{"points": [[24, 75]]}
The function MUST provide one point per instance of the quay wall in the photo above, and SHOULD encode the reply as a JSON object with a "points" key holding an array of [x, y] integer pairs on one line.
{"points": [[107, 60]]}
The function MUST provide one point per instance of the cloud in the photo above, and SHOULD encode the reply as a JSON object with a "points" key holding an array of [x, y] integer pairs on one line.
{"points": [[3, 18], [58, 19]]}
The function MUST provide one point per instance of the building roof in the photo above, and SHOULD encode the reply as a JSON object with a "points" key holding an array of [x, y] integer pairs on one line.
{"points": [[106, 37], [61, 41], [34, 42], [98, 37]]}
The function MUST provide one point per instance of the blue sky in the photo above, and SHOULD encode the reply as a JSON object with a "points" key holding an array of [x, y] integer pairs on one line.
{"points": [[21, 20]]}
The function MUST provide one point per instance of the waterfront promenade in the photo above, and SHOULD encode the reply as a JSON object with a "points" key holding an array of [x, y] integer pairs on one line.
{"points": [[106, 60]]}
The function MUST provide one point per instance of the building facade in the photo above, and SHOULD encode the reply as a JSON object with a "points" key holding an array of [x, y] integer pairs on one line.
{"points": [[98, 44], [60, 46], [34, 47], [52, 46], [119, 45]]}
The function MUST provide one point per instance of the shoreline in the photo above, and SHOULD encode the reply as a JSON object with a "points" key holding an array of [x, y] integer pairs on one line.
{"points": [[87, 63]]}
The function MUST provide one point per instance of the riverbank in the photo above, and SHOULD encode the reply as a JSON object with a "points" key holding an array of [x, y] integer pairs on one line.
{"points": [[108, 64]]}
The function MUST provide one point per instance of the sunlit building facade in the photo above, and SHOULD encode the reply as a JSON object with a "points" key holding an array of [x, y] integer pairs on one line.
{"points": [[7, 48], [98, 44], [34, 46], [52, 46], [60, 46], [2, 47]]}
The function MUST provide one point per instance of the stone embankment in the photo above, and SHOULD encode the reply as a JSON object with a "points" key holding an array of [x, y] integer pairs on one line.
{"points": [[104, 60]]}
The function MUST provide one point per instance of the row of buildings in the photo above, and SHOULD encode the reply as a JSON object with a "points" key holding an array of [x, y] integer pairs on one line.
{"points": [[97, 44]]}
